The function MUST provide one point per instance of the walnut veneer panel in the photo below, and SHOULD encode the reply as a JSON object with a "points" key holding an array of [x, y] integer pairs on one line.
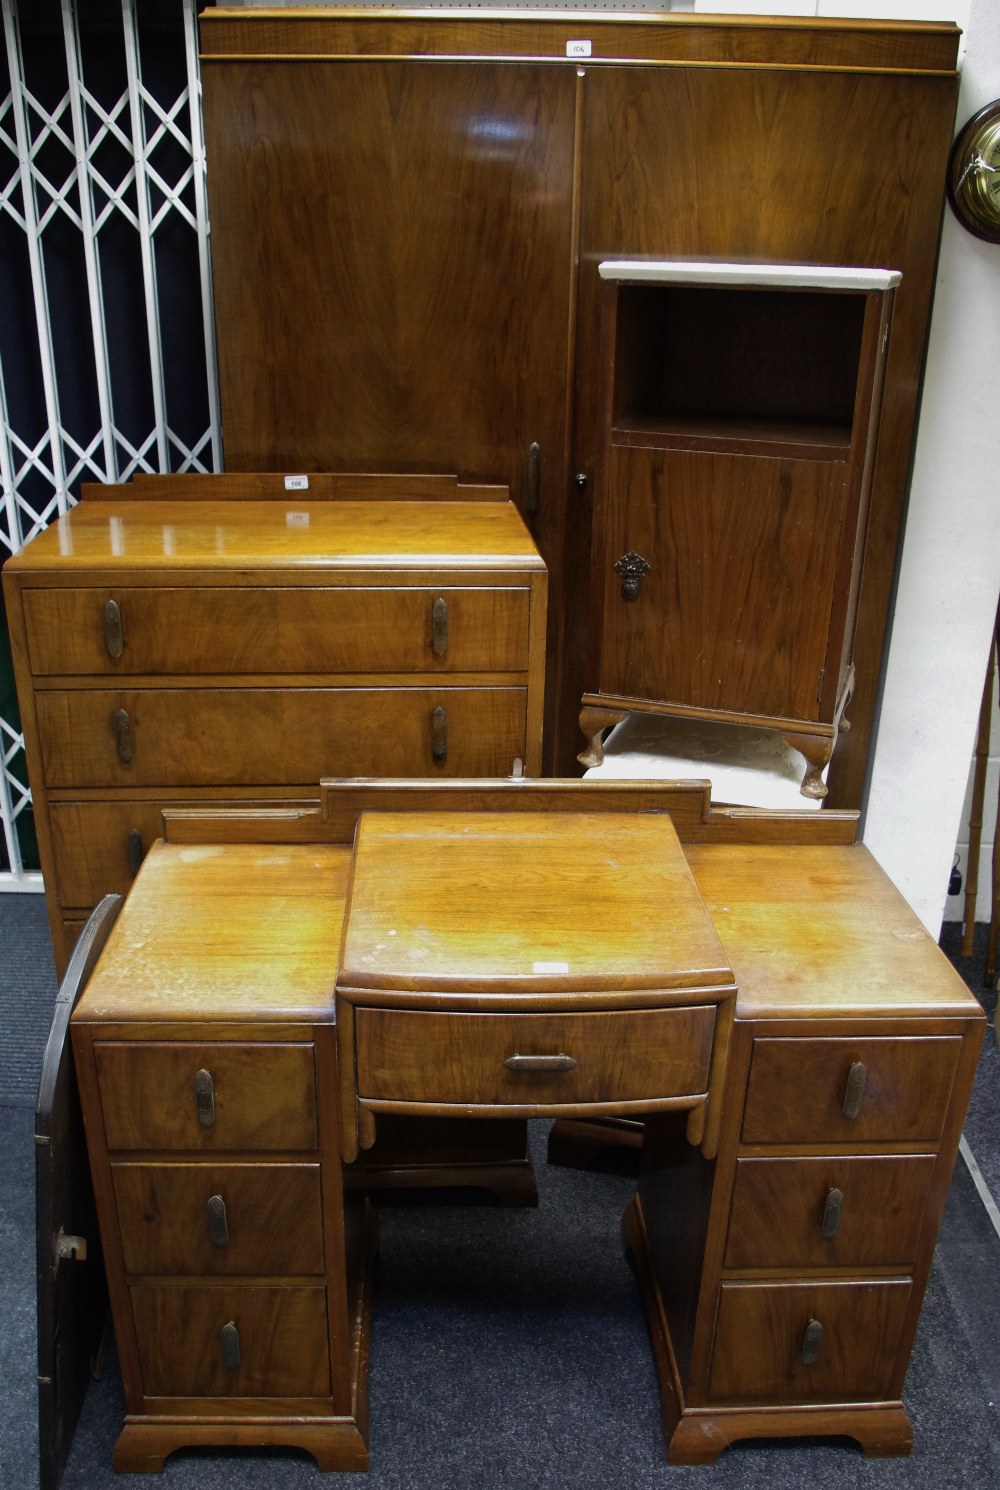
{"points": [[720, 623], [272, 1217], [627, 1056], [264, 1095], [789, 41], [614, 909], [283, 1350], [779, 1208], [758, 1342], [796, 1091], [286, 736], [278, 631], [837, 913], [244, 932]]}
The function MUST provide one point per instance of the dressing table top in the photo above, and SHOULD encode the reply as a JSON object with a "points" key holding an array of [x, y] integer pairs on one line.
{"points": [[542, 906]]}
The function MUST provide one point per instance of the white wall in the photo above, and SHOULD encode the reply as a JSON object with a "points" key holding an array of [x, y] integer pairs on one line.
{"points": [[950, 571]]}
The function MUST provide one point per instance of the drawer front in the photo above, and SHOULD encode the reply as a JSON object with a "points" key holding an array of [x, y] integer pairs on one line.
{"points": [[193, 1219], [626, 1056], [804, 1091], [351, 630], [98, 846], [229, 1341], [275, 736], [831, 1212], [252, 1096], [761, 1335]]}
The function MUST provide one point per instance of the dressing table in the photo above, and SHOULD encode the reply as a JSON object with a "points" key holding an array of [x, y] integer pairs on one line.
{"points": [[279, 978]]}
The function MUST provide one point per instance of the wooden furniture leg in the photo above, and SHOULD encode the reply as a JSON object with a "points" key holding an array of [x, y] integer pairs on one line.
{"points": [[593, 722]]}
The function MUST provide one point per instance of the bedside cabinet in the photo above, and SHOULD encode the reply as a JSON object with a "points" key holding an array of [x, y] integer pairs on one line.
{"points": [[239, 1273], [179, 651]]}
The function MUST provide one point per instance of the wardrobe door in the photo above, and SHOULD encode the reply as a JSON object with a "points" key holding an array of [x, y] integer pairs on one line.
{"points": [[392, 254]]}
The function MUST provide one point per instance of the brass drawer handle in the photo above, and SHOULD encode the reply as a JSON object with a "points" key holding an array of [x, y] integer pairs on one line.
{"points": [[218, 1224], [439, 734], [204, 1098], [811, 1342], [558, 1062], [122, 725], [856, 1078], [832, 1212], [231, 1346], [439, 626], [113, 638], [133, 840]]}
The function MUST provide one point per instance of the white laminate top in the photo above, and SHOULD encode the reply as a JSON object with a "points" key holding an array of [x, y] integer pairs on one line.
{"points": [[774, 276]]}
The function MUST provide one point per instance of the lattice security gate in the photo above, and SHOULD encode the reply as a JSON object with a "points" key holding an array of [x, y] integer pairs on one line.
{"points": [[107, 363]]}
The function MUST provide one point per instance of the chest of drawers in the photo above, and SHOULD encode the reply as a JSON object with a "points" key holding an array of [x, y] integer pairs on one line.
{"points": [[180, 650]]}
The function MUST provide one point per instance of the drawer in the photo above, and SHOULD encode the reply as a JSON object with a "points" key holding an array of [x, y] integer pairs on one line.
{"points": [[191, 737], [871, 1210], [798, 1089], [231, 1341], [760, 1333], [220, 1218], [262, 1096], [621, 1056], [98, 846], [350, 630]]}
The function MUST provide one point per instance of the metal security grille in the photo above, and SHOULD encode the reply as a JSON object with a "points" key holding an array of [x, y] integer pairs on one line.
{"points": [[107, 359]]}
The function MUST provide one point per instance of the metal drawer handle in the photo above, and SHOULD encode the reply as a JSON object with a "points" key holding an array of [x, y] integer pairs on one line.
{"points": [[856, 1078], [231, 1346], [204, 1098], [218, 1225], [832, 1212], [439, 626], [632, 568], [811, 1342], [113, 637], [122, 725], [439, 734], [133, 840], [558, 1062]]}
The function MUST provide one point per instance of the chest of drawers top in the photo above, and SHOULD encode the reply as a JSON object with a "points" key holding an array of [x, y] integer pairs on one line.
{"points": [[234, 539]]}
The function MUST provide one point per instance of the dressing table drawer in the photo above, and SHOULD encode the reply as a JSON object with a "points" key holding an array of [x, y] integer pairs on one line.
{"points": [[529, 1060], [835, 1211], [840, 1091], [808, 1342], [179, 1096], [186, 1219], [205, 1341]]}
